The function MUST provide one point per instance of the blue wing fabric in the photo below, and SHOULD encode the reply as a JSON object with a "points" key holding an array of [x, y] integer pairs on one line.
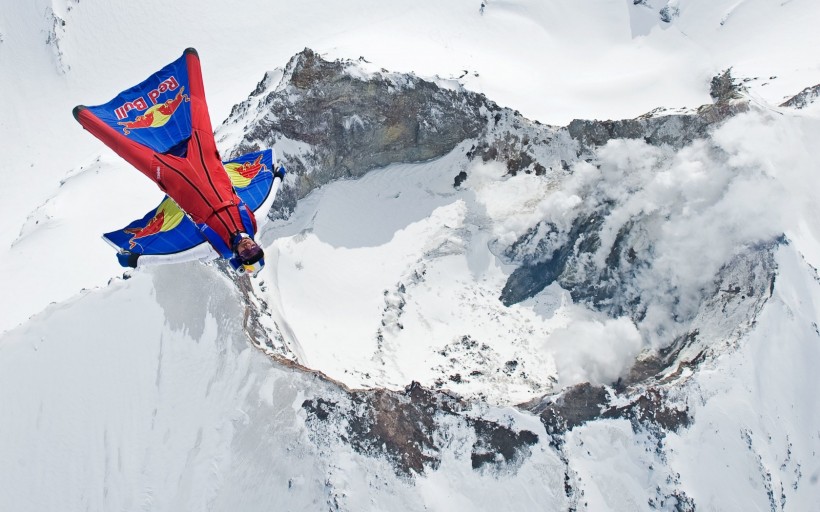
{"points": [[168, 230], [163, 230], [160, 102], [252, 177]]}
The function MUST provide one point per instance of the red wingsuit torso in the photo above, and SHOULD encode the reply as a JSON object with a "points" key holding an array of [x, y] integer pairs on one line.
{"points": [[197, 182]]}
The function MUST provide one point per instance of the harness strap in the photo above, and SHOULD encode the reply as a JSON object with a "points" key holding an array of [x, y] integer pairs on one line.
{"points": [[216, 241], [221, 206], [247, 222]]}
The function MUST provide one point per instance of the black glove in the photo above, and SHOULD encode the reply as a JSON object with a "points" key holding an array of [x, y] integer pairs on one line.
{"points": [[128, 259]]}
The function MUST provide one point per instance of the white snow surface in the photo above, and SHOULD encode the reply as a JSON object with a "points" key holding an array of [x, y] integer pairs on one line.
{"points": [[145, 394]]}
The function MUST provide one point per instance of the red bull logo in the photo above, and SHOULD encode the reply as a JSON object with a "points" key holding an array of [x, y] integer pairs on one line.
{"points": [[169, 84], [136, 104], [157, 113], [168, 216], [242, 174]]}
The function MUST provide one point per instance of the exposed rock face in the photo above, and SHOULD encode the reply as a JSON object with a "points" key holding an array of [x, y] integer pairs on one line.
{"points": [[675, 130], [548, 254], [402, 426], [610, 288], [575, 406], [348, 122], [362, 124], [56, 33], [583, 403], [724, 87], [669, 13], [804, 98]]}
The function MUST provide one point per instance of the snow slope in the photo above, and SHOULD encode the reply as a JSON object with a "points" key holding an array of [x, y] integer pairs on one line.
{"points": [[145, 393], [179, 412]]}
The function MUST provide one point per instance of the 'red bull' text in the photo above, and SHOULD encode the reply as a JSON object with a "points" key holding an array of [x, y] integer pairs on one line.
{"points": [[169, 84]]}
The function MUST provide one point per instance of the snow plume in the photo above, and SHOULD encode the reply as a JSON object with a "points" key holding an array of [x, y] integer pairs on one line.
{"points": [[592, 349], [685, 214]]}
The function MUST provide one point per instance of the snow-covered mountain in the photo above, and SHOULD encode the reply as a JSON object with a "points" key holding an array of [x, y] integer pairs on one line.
{"points": [[481, 293]]}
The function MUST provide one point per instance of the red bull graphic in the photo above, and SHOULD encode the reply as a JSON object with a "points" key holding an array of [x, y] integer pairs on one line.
{"points": [[135, 104], [242, 174], [168, 215], [169, 84], [157, 115]]}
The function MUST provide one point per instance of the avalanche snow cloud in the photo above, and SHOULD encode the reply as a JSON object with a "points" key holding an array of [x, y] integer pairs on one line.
{"points": [[464, 308], [699, 207]]}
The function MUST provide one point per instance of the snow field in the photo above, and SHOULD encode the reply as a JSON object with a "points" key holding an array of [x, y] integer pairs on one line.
{"points": [[143, 394]]}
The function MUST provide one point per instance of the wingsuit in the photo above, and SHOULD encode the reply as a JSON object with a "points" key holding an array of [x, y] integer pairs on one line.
{"points": [[196, 180]]}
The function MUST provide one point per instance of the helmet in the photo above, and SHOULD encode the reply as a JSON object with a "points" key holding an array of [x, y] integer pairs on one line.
{"points": [[250, 255]]}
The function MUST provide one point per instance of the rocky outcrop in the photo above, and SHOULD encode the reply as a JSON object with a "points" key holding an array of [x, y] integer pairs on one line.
{"points": [[402, 427], [669, 13], [804, 98], [547, 253], [583, 403], [346, 122], [56, 32], [675, 130], [611, 288], [657, 128]]}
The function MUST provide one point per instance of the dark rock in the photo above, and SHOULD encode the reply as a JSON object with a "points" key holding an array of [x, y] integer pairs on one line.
{"points": [[532, 277], [490, 154], [493, 440], [346, 122], [673, 130], [547, 255], [518, 163], [356, 124], [804, 98], [460, 178], [320, 408], [667, 14], [650, 366], [583, 403], [650, 408], [402, 426], [528, 280], [683, 503], [573, 407], [391, 424], [724, 87]]}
